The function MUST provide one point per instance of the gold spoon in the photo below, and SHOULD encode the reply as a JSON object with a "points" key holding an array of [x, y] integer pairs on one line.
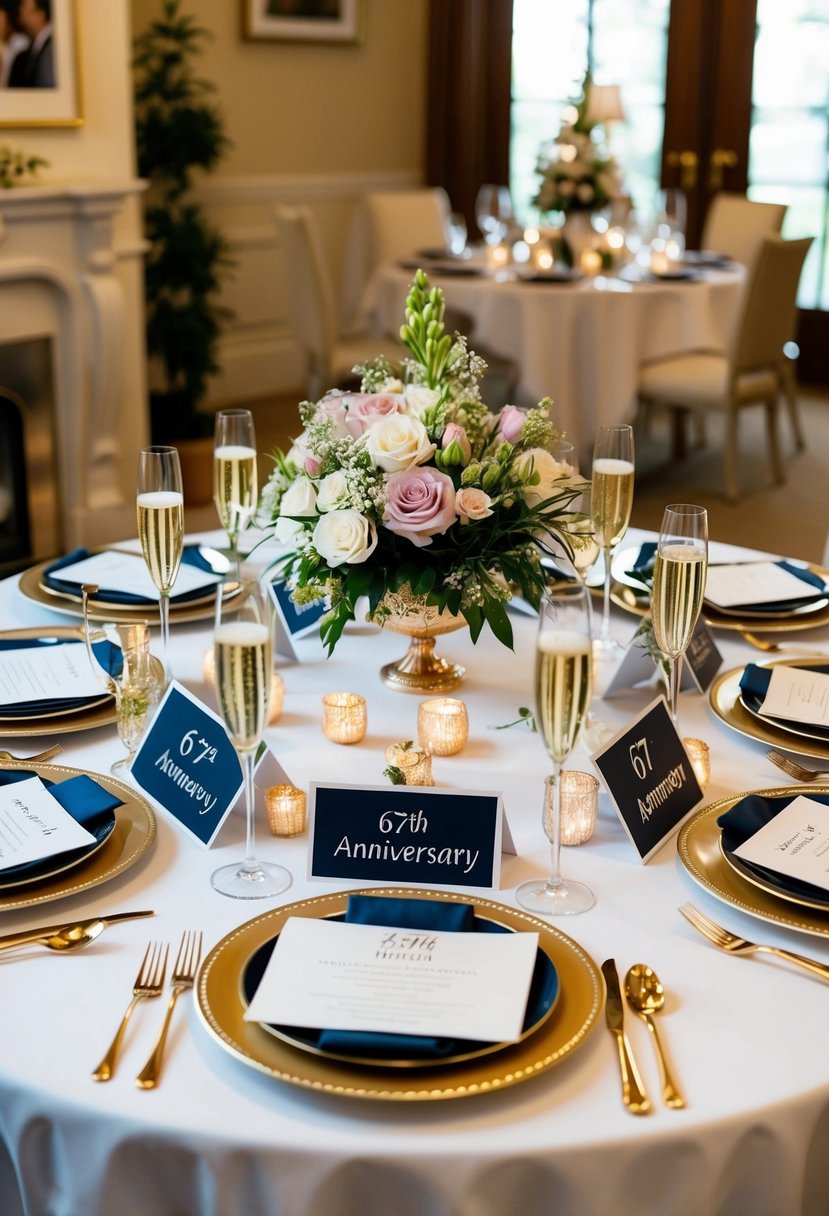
{"points": [[646, 996], [67, 937]]}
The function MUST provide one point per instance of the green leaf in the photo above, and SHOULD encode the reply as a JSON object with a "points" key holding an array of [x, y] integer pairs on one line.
{"points": [[499, 622]]}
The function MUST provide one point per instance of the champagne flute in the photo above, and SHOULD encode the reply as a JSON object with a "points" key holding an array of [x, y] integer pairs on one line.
{"points": [[679, 585], [563, 686], [612, 501], [243, 659], [235, 486], [160, 507], [493, 212]]}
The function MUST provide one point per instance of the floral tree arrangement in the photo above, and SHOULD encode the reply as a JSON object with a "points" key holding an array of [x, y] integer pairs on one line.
{"points": [[577, 171], [412, 489]]}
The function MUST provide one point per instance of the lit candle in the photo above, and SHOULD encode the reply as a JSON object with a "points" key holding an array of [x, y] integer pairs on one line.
{"points": [[590, 261], [578, 804], [442, 725], [700, 757], [285, 808], [344, 717], [413, 763]]}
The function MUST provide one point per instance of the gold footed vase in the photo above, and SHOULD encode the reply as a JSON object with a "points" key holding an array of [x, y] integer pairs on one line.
{"points": [[420, 670]]}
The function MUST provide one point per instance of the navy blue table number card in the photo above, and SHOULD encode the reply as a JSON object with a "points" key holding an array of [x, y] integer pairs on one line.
{"points": [[187, 765], [649, 777], [292, 620], [702, 657], [410, 835]]}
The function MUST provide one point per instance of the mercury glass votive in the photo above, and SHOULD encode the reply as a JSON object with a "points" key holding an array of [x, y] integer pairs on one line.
{"points": [[578, 803], [414, 763], [285, 809], [442, 725], [700, 757], [344, 717]]}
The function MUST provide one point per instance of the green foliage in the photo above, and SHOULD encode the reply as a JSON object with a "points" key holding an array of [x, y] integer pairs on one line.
{"points": [[16, 165]]}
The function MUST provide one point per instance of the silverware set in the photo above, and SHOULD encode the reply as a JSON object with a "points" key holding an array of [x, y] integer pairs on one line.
{"points": [[645, 996]]}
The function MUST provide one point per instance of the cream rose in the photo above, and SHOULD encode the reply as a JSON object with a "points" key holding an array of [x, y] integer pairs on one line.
{"points": [[397, 442], [333, 492], [299, 499], [419, 398], [553, 474], [472, 504], [345, 537]]}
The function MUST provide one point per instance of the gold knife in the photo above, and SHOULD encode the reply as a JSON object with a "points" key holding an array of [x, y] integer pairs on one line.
{"points": [[34, 935], [633, 1091]]}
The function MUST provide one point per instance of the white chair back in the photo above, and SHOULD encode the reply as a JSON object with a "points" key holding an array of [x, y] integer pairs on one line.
{"points": [[310, 295], [768, 316], [401, 222], [735, 225]]}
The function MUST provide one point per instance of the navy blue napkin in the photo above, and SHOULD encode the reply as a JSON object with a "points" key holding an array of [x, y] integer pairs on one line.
{"points": [[747, 817], [109, 656], [192, 556], [88, 803]]}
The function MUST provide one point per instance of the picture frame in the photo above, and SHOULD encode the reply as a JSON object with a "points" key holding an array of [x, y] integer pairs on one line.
{"points": [[50, 105], [302, 20]]}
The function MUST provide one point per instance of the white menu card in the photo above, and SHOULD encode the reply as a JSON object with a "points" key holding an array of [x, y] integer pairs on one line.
{"points": [[798, 696], [46, 673], [338, 976], [795, 843], [127, 572], [754, 583], [34, 825]]}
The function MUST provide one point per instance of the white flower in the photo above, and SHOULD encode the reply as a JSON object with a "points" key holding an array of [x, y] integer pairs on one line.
{"points": [[345, 537], [333, 492], [419, 398], [299, 499], [472, 504], [553, 474], [397, 442]]}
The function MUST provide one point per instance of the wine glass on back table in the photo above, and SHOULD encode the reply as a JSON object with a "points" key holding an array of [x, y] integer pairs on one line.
{"points": [[611, 504], [235, 485], [160, 507], [679, 585]]}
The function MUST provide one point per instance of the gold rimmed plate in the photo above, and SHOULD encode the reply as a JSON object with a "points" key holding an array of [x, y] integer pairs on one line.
{"points": [[97, 712], [221, 1007], [771, 888], [724, 698], [700, 852], [126, 844]]}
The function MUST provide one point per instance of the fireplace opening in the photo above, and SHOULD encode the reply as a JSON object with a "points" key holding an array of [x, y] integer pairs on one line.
{"points": [[15, 538]]}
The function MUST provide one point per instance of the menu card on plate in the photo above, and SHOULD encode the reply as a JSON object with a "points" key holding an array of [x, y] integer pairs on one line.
{"points": [[127, 573], [34, 825], [794, 843], [753, 583], [339, 976], [46, 673], [798, 695]]}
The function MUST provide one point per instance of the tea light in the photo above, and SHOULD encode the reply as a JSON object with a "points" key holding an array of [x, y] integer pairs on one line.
{"points": [[578, 802], [285, 808], [414, 763], [344, 717], [590, 261], [277, 686], [442, 725], [700, 757]]}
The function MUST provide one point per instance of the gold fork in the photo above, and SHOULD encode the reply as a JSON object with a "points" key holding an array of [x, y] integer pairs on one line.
{"points": [[777, 647], [183, 977], [148, 983], [733, 944], [39, 758], [793, 769]]}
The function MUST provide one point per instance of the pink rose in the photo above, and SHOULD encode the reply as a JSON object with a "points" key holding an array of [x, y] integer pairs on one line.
{"points": [[420, 503], [333, 406], [364, 409], [454, 433], [510, 421], [312, 465]]}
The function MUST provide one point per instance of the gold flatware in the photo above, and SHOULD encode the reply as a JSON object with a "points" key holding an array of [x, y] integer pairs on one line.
{"points": [[733, 944], [39, 758], [633, 1091], [778, 647], [646, 996], [67, 937], [148, 983], [794, 769], [183, 977]]}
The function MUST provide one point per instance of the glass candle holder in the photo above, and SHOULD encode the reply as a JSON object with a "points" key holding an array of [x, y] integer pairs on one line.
{"points": [[442, 725], [344, 717], [579, 801], [700, 757], [414, 763], [285, 809]]}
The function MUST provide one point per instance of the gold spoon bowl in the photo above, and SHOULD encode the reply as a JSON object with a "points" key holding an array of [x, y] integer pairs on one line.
{"points": [[646, 996]]}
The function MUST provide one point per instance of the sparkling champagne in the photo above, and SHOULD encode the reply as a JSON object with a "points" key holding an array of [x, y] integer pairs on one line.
{"points": [[678, 588], [563, 673], [612, 499], [585, 545], [161, 532], [234, 485], [243, 658]]}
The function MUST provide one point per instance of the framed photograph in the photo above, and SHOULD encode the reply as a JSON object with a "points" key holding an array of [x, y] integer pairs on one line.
{"points": [[39, 75], [302, 20]]}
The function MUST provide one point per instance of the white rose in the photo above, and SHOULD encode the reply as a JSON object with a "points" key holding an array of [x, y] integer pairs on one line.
{"points": [[553, 474], [300, 498], [332, 492], [471, 504], [345, 536], [397, 442], [419, 398]]}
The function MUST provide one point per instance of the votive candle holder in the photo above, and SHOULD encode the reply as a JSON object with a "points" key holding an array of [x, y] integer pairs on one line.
{"points": [[414, 763], [578, 805], [700, 756], [442, 725], [344, 717], [285, 808]]}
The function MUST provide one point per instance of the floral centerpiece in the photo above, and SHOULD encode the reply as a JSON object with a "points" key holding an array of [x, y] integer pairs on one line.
{"points": [[577, 171], [412, 489]]}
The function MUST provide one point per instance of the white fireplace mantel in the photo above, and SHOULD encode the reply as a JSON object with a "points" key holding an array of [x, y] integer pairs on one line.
{"points": [[70, 271]]}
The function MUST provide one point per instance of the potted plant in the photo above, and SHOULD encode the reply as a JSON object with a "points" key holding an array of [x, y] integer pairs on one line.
{"points": [[179, 132]]}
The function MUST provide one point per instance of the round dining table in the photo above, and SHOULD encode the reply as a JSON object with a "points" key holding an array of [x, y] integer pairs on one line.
{"points": [[582, 340], [217, 1137]]}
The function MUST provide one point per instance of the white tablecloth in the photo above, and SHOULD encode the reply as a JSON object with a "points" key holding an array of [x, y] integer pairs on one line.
{"points": [[748, 1037], [580, 343]]}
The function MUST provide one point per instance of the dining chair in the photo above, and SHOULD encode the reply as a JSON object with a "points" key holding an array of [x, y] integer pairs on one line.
{"points": [[403, 222], [749, 372], [330, 355], [736, 225]]}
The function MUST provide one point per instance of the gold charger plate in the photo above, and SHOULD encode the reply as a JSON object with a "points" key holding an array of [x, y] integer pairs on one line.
{"points": [[698, 846], [757, 880], [724, 698], [221, 1008], [130, 839], [101, 713]]}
